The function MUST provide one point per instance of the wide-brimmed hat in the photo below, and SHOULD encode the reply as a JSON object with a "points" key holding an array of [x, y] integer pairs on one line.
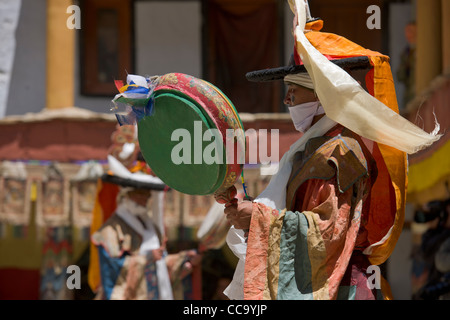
{"points": [[139, 177], [296, 66], [264, 75]]}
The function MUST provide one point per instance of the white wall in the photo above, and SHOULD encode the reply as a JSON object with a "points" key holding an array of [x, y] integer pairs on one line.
{"points": [[9, 17], [27, 82]]}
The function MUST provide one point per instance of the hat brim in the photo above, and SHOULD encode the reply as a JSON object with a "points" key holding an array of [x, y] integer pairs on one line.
{"points": [[265, 75], [124, 182]]}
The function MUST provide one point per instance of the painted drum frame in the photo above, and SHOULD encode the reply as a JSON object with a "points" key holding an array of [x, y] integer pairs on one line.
{"points": [[217, 109]]}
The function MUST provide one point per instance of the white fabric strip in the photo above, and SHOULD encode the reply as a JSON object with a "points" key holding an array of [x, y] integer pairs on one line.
{"points": [[347, 103], [150, 242]]}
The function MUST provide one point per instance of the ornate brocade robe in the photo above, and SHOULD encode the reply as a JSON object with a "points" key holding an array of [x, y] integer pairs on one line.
{"points": [[314, 249]]}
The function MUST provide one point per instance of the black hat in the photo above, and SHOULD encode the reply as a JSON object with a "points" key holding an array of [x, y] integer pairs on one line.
{"points": [[139, 177], [353, 63], [135, 184], [295, 66]]}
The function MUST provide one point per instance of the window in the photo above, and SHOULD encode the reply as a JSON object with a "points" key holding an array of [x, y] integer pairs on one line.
{"points": [[106, 45]]}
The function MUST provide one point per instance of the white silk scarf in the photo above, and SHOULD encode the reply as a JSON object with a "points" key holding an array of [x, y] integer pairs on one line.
{"points": [[347, 103]]}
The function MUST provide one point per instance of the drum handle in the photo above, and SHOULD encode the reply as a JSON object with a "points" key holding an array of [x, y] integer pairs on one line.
{"points": [[228, 197]]}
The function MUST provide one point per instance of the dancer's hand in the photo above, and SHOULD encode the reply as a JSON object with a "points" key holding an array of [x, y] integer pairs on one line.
{"points": [[239, 214]]}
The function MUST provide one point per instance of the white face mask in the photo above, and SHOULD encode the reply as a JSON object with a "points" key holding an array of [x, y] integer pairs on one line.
{"points": [[302, 114]]}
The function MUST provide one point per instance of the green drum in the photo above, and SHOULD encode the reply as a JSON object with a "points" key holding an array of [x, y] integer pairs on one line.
{"points": [[184, 139]]}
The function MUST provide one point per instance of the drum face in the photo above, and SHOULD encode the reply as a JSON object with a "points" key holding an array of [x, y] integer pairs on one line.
{"points": [[170, 141], [185, 140]]}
